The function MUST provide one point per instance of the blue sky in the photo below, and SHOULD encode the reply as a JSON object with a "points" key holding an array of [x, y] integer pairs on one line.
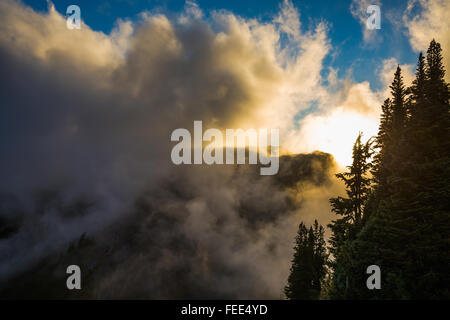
{"points": [[350, 55]]}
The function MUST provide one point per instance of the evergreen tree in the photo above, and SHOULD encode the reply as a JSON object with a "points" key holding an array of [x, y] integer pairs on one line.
{"points": [[356, 182], [391, 140], [382, 144], [396, 143], [429, 202], [345, 229], [407, 232], [418, 94], [418, 210], [308, 265], [398, 92], [320, 258], [401, 221]]}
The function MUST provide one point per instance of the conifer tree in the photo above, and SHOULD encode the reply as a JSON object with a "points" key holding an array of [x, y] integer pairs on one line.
{"points": [[383, 143], [308, 265], [418, 208], [398, 92], [345, 229], [407, 233], [401, 221], [320, 258], [418, 94], [429, 202]]}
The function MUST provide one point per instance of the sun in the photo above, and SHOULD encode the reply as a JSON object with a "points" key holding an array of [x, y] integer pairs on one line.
{"points": [[336, 133]]}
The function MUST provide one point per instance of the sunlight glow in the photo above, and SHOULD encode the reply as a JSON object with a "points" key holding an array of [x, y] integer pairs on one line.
{"points": [[337, 132]]}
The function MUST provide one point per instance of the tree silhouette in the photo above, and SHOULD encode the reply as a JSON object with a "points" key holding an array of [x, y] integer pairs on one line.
{"points": [[406, 220], [308, 264]]}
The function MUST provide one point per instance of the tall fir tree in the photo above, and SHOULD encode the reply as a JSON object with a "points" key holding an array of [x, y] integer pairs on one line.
{"points": [[308, 265], [398, 219], [320, 258], [431, 181], [407, 233], [418, 94], [350, 209], [398, 92], [418, 208], [383, 144]]}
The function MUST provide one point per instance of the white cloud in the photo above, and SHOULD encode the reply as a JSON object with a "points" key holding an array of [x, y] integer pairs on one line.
{"points": [[432, 21], [90, 115], [334, 129]]}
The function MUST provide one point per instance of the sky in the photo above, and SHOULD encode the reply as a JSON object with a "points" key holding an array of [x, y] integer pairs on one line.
{"points": [[86, 118], [351, 53], [355, 61]]}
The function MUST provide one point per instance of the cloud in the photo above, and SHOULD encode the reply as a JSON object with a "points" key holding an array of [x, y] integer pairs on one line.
{"points": [[432, 21], [228, 235], [45, 37], [86, 123], [345, 111], [335, 128]]}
